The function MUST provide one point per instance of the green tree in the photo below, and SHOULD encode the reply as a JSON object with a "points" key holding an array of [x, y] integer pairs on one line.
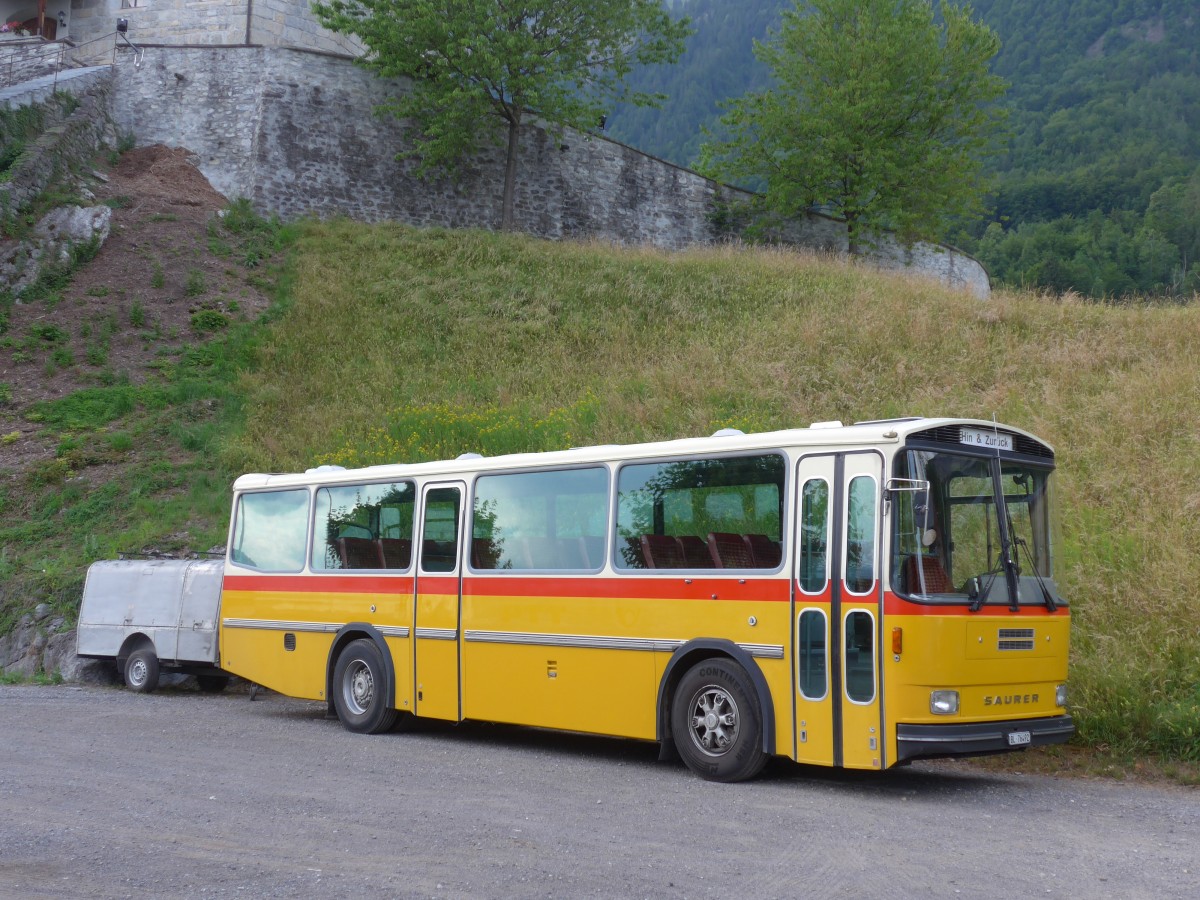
{"points": [[1174, 211], [473, 62], [879, 114]]}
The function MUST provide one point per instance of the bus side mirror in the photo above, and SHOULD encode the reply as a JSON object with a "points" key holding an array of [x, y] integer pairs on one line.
{"points": [[908, 486]]}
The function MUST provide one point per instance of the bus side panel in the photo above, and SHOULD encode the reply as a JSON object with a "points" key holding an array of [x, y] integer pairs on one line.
{"points": [[276, 637], [536, 654]]}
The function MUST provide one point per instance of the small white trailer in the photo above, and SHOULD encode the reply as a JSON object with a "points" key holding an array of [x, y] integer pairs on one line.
{"points": [[154, 616]]}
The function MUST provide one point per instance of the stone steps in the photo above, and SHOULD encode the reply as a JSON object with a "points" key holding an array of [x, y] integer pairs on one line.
{"points": [[40, 89]]}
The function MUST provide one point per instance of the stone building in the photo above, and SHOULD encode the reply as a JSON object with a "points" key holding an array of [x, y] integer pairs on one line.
{"points": [[268, 23]]}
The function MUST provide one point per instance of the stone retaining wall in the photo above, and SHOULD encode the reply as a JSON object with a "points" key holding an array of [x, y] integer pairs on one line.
{"points": [[68, 141], [294, 131]]}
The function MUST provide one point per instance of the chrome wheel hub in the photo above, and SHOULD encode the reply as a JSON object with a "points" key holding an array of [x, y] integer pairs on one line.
{"points": [[358, 687], [714, 720]]}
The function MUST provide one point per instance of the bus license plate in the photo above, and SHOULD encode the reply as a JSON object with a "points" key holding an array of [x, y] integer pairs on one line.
{"points": [[1018, 738]]}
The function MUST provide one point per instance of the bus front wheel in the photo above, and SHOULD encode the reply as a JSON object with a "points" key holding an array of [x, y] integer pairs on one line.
{"points": [[359, 689], [716, 723]]}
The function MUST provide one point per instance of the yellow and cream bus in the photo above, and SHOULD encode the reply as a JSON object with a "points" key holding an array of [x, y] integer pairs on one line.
{"points": [[857, 596]]}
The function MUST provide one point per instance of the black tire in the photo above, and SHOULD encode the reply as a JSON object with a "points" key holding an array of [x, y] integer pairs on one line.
{"points": [[359, 689], [141, 671], [716, 723], [212, 684]]}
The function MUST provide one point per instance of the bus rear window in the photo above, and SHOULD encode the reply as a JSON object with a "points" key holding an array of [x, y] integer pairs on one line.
{"points": [[271, 530]]}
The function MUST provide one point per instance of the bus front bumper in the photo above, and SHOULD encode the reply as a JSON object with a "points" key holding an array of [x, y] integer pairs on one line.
{"points": [[978, 738]]}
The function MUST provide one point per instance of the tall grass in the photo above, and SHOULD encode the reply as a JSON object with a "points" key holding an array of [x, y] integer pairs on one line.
{"points": [[616, 345]]}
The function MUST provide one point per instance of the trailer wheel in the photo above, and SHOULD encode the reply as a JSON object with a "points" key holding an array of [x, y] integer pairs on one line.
{"points": [[359, 695], [212, 684], [141, 671]]}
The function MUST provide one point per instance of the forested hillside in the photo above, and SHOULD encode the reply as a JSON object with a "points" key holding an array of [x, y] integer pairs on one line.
{"points": [[1097, 189]]}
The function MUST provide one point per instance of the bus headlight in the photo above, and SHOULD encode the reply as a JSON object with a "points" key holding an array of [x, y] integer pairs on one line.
{"points": [[1060, 695], [943, 703]]}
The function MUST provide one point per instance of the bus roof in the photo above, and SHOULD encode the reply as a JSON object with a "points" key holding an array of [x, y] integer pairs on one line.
{"points": [[819, 434]]}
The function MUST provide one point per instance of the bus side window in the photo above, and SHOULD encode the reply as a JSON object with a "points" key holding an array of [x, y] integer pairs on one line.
{"points": [[364, 526], [551, 520], [716, 513]]}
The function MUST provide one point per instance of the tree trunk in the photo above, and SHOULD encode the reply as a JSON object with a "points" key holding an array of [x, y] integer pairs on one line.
{"points": [[510, 173]]}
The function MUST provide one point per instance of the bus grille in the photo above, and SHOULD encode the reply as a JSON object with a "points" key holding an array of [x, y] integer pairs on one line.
{"points": [[1015, 639]]}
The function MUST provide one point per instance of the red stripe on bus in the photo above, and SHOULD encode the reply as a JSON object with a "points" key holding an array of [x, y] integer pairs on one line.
{"points": [[317, 584], [671, 587], [774, 590], [898, 606]]}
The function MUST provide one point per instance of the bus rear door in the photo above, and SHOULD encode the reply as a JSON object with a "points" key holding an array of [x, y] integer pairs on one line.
{"points": [[438, 603]]}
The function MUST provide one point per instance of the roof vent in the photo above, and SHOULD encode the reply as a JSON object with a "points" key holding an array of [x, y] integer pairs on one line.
{"points": [[834, 424], [728, 432], [469, 456], [320, 470]]}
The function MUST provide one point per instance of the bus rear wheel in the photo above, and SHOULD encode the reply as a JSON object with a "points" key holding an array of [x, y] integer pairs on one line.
{"points": [[716, 723], [359, 689]]}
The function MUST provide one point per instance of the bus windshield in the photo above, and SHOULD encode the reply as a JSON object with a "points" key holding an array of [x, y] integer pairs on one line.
{"points": [[949, 541]]}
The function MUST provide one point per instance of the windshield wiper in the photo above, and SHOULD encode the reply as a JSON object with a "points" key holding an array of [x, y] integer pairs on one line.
{"points": [[977, 594], [1047, 596]]}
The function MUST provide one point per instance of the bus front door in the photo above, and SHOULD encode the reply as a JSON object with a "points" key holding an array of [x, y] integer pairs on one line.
{"points": [[438, 603], [837, 620]]}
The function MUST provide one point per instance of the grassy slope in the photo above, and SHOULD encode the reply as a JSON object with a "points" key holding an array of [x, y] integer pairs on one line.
{"points": [[402, 344], [666, 345]]}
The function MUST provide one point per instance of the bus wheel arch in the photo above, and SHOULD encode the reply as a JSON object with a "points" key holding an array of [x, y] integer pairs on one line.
{"points": [[360, 680], [687, 660]]}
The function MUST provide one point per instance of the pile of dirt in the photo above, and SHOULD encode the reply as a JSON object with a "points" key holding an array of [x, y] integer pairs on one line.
{"points": [[131, 307], [166, 175]]}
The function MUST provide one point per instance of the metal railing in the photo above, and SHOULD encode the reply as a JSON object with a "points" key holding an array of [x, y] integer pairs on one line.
{"points": [[37, 57]]}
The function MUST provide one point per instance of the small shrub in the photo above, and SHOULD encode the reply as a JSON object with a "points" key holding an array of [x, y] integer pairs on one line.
{"points": [[11, 438], [195, 284], [96, 355], [63, 357], [47, 333], [5, 393], [99, 290], [137, 314], [158, 279], [50, 471], [120, 441], [209, 320], [67, 446]]}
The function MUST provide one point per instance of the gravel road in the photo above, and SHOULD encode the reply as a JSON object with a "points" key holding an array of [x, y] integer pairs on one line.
{"points": [[104, 793]]}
